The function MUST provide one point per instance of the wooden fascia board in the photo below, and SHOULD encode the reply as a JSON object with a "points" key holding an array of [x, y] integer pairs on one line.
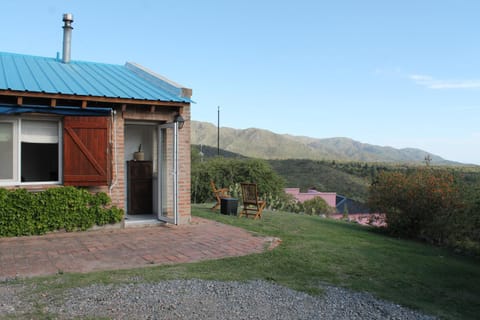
{"points": [[92, 98]]}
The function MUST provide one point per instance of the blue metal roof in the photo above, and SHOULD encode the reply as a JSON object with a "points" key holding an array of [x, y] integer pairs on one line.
{"points": [[49, 75]]}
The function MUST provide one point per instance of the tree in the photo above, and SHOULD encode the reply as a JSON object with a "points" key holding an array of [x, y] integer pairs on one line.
{"points": [[419, 204], [229, 173]]}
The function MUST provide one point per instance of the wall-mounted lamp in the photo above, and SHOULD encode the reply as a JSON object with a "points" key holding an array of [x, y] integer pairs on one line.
{"points": [[180, 121]]}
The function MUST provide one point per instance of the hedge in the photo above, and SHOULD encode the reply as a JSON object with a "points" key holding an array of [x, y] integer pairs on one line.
{"points": [[229, 173], [66, 208]]}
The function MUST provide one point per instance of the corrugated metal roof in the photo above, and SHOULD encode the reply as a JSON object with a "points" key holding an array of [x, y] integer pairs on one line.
{"points": [[49, 75]]}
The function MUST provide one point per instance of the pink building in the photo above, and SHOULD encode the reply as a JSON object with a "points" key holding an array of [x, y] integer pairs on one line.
{"points": [[329, 197]]}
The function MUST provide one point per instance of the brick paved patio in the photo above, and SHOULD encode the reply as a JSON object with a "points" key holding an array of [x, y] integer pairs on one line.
{"points": [[125, 248]]}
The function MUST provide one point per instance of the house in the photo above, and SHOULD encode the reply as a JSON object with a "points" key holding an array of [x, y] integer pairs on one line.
{"points": [[329, 197], [76, 123]]}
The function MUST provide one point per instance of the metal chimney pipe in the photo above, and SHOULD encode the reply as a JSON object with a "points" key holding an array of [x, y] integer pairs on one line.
{"points": [[67, 37]]}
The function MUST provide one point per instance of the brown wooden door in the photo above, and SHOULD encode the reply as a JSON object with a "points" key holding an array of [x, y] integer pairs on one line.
{"points": [[86, 156], [140, 187]]}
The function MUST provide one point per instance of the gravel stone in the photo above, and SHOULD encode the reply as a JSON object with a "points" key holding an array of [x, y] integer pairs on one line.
{"points": [[200, 299]]}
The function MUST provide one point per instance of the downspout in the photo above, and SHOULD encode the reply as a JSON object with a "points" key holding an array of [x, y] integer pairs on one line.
{"points": [[175, 174], [115, 163]]}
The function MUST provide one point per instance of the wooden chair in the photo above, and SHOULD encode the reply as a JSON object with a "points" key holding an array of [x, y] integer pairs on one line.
{"points": [[219, 194], [251, 204]]}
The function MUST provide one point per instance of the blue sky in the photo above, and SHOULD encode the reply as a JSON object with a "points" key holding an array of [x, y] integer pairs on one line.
{"points": [[402, 73]]}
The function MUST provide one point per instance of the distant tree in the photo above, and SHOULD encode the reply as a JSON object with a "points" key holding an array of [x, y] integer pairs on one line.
{"points": [[428, 160], [317, 206]]}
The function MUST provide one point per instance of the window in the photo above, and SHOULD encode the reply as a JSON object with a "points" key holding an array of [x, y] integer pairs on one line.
{"points": [[29, 151], [35, 151], [39, 141]]}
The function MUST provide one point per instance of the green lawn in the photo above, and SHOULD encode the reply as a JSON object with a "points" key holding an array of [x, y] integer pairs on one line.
{"points": [[321, 251], [316, 250]]}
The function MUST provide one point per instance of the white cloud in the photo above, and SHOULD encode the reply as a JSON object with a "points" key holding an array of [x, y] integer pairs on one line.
{"points": [[432, 83]]}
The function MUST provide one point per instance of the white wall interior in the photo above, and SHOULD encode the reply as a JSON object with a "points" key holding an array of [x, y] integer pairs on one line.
{"points": [[139, 134]]}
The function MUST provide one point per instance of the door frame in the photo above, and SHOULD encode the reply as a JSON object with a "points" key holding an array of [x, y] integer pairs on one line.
{"points": [[163, 173]]}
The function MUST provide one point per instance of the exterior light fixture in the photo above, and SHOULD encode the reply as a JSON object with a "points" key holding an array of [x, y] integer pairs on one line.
{"points": [[180, 121]]}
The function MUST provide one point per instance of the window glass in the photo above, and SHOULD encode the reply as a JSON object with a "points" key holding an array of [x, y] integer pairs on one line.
{"points": [[6, 151], [39, 151]]}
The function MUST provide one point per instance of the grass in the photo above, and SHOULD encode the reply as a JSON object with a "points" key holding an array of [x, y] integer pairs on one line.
{"points": [[321, 251], [316, 250]]}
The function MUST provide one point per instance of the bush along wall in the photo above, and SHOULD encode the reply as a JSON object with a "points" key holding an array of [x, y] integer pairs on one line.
{"points": [[65, 208]]}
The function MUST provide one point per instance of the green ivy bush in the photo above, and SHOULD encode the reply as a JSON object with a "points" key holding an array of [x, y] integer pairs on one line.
{"points": [[66, 208]]}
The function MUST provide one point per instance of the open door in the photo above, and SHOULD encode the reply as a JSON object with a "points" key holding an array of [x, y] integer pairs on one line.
{"points": [[167, 182]]}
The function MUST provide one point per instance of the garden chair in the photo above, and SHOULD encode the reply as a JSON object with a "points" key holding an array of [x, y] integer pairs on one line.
{"points": [[251, 204], [219, 194]]}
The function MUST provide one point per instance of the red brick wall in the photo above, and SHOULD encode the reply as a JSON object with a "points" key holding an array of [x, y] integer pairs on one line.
{"points": [[184, 176]]}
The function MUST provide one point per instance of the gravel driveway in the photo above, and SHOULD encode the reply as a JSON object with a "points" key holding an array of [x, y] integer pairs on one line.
{"points": [[198, 299]]}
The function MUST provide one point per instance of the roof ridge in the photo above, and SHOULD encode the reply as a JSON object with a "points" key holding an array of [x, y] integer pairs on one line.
{"points": [[58, 59], [157, 79]]}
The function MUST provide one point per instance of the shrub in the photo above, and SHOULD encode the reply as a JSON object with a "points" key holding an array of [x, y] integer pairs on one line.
{"points": [[317, 206], [68, 208], [16, 216], [426, 204], [229, 173], [284, 202]]}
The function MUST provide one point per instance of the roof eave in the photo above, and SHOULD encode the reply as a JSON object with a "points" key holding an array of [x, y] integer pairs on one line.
{"points": [[90, 98]]}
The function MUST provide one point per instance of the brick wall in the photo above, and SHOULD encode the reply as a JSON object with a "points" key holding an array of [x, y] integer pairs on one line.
{"points": [[184, 202], [117, 188]]}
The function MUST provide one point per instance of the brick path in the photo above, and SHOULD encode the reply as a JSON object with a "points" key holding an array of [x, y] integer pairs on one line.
{"points": [[125, 248]]}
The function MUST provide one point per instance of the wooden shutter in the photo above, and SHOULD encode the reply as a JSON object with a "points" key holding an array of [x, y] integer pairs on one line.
{"points": [[86, 160]]}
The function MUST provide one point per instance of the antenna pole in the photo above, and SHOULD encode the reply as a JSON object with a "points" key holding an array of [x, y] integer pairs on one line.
{"points": [[218, 131]]}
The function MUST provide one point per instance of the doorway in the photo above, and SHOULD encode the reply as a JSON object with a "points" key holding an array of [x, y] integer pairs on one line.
{"points": [[151, 177]]}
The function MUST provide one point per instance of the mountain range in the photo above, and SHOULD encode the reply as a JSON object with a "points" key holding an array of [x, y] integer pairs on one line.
{"points": [[264, 144]]}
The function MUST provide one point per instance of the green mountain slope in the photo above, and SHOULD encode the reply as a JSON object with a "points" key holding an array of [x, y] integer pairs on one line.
{"points": [[265, 144]]}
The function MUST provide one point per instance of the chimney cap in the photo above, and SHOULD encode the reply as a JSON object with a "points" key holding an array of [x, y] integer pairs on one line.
{"points": [[68, 17]]}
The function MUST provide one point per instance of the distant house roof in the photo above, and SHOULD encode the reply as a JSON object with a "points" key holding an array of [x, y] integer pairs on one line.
{"points": [[50, 75], [329, 197]]}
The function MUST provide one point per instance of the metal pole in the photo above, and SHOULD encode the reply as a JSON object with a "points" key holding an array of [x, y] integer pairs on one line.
{"points": [[67, 37], [218, 131]]}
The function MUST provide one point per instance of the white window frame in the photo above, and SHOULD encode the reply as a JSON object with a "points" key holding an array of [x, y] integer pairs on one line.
{"points": [[17, 156]]}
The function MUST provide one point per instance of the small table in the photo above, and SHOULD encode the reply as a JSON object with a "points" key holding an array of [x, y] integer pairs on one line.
{"points": [[229, 206]]}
